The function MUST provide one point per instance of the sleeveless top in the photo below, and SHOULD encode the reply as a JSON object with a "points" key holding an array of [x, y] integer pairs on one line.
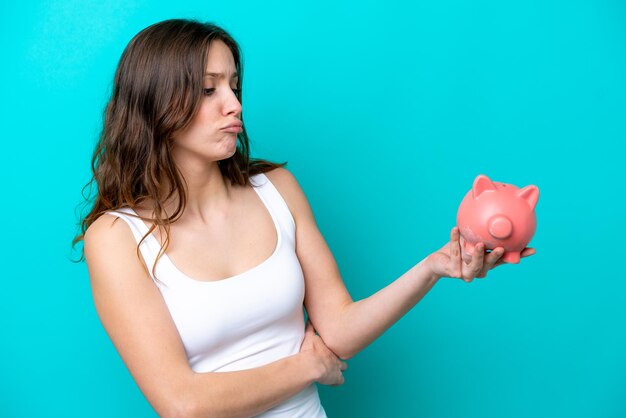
{"points": [[244, 321]]}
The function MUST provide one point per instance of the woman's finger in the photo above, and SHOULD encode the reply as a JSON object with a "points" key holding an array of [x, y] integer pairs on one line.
{"points": [[491, 261], [493, 257], [478, 259], [526, 252], [455, 252], [500, 262], [464, 255]]}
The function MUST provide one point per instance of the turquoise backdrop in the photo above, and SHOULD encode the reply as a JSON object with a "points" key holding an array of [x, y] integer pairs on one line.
{"points": [[386, 111]]}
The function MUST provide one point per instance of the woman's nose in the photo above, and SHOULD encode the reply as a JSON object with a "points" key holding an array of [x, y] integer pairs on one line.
{"points": [[232, 104]]}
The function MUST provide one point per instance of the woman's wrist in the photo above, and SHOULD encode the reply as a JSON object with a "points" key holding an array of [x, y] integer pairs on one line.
{"points": [[425, 266], [310, 365]]}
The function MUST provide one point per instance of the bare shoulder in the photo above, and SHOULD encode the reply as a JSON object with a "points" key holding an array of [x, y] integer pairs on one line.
{"points": [[289, 188], [105, 231], [109, 242], [283, 178], [103, 224]]}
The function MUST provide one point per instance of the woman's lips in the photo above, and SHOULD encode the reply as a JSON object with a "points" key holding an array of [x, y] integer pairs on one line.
{"points": [[233, 129]]}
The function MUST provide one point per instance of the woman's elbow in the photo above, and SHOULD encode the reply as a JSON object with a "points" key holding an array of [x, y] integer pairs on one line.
{"points": [[341, 350], [180, 410], [346, 355], [178, 407]]}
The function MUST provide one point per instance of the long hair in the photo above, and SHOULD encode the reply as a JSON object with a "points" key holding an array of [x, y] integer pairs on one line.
{"points": [[157, 89]]}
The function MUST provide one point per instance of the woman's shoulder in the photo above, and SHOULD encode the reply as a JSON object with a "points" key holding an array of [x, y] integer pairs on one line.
{"points": [[108, 241], [291, 191], [284, 181], [106, 228], [282, 176]]}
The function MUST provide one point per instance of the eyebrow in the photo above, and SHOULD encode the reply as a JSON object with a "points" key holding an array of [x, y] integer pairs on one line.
{"points": [[221, 75]]}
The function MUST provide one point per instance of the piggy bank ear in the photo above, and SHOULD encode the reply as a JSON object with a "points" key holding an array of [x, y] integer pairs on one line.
{"points": [[529, 194], [481, 185]]}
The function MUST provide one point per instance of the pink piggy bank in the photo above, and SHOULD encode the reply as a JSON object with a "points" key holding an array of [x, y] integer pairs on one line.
{"points": [[498, 215]]}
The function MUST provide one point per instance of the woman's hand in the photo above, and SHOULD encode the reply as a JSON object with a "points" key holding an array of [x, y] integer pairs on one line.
{"points": [[327, 365], [451, 261]]}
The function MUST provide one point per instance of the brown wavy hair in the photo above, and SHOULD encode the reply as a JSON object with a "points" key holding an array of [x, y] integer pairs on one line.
{"points": [[157, 89]]}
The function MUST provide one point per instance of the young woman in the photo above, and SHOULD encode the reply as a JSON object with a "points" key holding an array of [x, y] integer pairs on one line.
{"points": [[202, 286]]}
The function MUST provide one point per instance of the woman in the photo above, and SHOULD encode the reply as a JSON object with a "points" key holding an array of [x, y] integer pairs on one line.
{"points": [[202, 287]]}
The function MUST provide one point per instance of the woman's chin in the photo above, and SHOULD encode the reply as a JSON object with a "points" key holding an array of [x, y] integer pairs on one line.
{"points": [[229, 154]]}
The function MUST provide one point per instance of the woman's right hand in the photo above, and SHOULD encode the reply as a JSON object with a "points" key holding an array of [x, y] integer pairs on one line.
{"points": [[327, 365], [452, 261]]}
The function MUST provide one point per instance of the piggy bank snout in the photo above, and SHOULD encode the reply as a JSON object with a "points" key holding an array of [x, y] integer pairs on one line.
{"points": [[500, 227]]}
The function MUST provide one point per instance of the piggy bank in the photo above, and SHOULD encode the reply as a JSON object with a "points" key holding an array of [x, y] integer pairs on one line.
{"points": [[498, 215]]}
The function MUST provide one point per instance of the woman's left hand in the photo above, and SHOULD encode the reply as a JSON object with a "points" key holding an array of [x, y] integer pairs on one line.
{"points": [[450, 261]]}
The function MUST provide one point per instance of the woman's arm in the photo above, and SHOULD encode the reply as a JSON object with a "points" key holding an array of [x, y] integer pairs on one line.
{"points": [[359, 323], [136, 318], [347, 326]]}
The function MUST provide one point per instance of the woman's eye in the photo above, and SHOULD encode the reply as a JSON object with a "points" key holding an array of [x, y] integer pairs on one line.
{"points": [[210, 91]]}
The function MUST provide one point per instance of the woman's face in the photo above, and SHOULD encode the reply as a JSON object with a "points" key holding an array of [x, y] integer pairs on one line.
{"points": [[206, 137]]}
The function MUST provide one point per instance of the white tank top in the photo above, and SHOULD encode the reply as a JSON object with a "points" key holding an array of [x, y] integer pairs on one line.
{"points": [[243, 321]]}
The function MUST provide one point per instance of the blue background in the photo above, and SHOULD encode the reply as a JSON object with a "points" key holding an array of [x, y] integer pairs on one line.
{"points": [[386, 112]]}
